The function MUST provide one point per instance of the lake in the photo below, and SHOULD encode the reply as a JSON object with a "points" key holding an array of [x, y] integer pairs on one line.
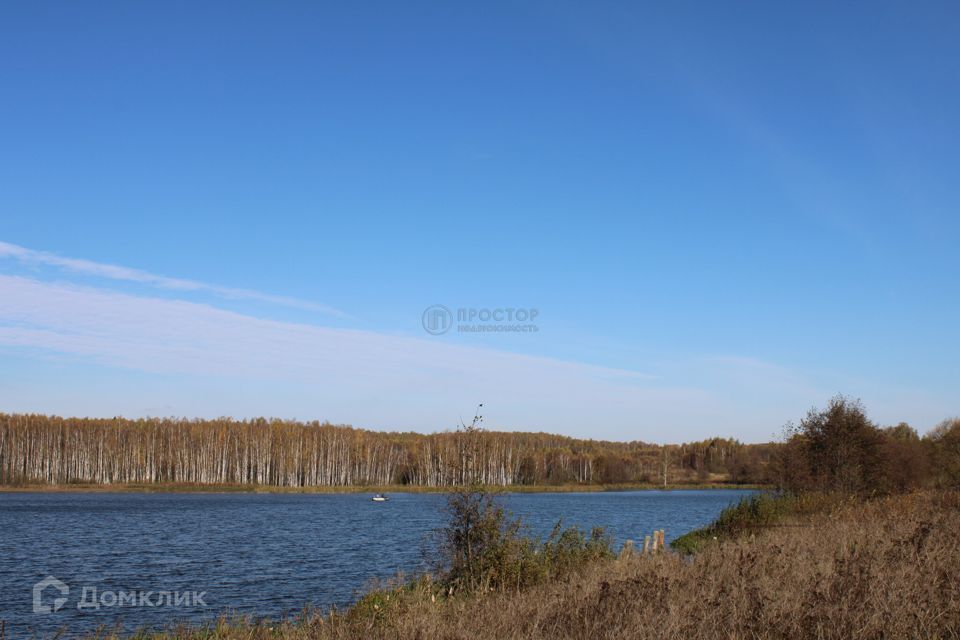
{"points": [[158, 558]]}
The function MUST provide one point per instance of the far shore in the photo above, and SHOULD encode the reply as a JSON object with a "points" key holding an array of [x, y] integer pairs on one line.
{"points": [[245, 488]]}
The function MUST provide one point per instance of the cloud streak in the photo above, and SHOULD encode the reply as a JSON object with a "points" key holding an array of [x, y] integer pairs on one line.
{"points": [[379, 380], [126, 274], [203, 360]]}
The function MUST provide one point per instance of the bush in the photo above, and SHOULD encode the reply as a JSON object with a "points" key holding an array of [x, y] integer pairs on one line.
{"points": [[944, 442], [482, 549]]}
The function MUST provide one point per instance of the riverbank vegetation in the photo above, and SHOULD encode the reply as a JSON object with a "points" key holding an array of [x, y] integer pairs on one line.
{"points": [[834, 456]]}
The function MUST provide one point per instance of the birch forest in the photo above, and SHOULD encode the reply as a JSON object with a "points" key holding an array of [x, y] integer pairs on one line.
{"points": [[37, 449]]}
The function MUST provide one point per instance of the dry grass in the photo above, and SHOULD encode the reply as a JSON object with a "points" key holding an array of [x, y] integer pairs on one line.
{"points": [[889, 568]]}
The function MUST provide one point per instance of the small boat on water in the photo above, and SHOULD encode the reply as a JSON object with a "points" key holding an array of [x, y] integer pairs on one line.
{"points": [[379, 498]]}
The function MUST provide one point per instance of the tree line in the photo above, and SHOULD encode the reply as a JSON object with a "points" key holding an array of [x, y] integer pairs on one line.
{"points": [[835, 448], [55, 450]]}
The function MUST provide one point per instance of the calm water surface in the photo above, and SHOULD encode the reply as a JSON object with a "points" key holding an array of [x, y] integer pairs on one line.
{"points": [[264, 555]]}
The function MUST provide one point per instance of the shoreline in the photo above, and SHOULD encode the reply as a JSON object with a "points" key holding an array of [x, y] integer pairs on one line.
{"points": [[266, 489], [869, 549]]}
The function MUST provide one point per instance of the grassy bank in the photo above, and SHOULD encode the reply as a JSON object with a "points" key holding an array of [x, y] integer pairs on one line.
{"points": [[248, 488], [761, 511], [884, 568]]}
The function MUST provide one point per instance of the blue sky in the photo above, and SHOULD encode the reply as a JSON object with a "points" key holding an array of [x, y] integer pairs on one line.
{"points": [[724, 214]]}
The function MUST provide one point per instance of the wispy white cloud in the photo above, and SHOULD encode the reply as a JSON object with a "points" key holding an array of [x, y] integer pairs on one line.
{"points": [[116, 272], [368, 378], [225, 362]]}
